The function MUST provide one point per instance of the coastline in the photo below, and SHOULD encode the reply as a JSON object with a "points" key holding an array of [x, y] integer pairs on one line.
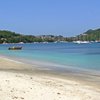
{"points": [[21, 81], [88, 77]]}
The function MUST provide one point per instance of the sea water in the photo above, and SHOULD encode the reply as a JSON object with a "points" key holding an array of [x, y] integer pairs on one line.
{"points": [[63, 55]]}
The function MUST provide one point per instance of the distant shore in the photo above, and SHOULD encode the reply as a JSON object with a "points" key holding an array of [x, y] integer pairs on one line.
{"points": [[22, 82]]}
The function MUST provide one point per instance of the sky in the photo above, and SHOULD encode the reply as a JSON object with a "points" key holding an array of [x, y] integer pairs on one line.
{"points": [[56, 17]]}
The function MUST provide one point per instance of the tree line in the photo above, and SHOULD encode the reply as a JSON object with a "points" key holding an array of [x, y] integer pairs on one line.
{"points": [[12, 37]]}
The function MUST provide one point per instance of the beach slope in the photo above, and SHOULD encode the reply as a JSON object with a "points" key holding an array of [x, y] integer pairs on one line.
{"points": [[16, 84]]}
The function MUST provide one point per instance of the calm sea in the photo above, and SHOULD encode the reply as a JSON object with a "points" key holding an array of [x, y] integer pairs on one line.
{"points": [[63, 55]]}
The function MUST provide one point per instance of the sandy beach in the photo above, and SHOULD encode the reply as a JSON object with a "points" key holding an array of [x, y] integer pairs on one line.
{"points": [[16, 83]]}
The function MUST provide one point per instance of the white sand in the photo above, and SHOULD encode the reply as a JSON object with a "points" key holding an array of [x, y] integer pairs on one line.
{"points": [[22, 86]]}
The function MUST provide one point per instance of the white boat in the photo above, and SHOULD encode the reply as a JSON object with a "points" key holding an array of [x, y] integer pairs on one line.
{"points": [[79, 42]]}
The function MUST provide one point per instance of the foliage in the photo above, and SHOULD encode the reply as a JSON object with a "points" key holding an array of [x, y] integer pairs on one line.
{"points": [[90, 35], [12, 37]]}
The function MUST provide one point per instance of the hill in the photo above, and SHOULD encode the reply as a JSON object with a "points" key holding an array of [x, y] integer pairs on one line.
{"points": [[12, 37], [90, 35]]}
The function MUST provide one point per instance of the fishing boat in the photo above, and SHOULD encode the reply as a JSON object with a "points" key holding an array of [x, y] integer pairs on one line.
{"points": [[14, 48]]}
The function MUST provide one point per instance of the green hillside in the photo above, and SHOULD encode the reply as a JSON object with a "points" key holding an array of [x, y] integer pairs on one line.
{"points": [[90, 35], [12, 37]]}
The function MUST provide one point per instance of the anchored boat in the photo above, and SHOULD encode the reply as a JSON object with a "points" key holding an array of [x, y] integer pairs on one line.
{"points": [[14, 48]]}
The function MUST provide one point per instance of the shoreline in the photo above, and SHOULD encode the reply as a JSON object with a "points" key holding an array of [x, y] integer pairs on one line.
{"points": [[35, 82], [87, 77]]}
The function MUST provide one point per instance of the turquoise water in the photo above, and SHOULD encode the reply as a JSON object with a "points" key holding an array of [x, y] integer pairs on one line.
{"points": [[85, 56]]}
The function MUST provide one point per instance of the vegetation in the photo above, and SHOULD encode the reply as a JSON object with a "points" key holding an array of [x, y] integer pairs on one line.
{"points": [[90, 35], [12, 37]]}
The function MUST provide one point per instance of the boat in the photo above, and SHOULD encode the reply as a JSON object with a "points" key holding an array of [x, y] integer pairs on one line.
{"points": [[97, 41], [80, 42], [14, 48]]}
